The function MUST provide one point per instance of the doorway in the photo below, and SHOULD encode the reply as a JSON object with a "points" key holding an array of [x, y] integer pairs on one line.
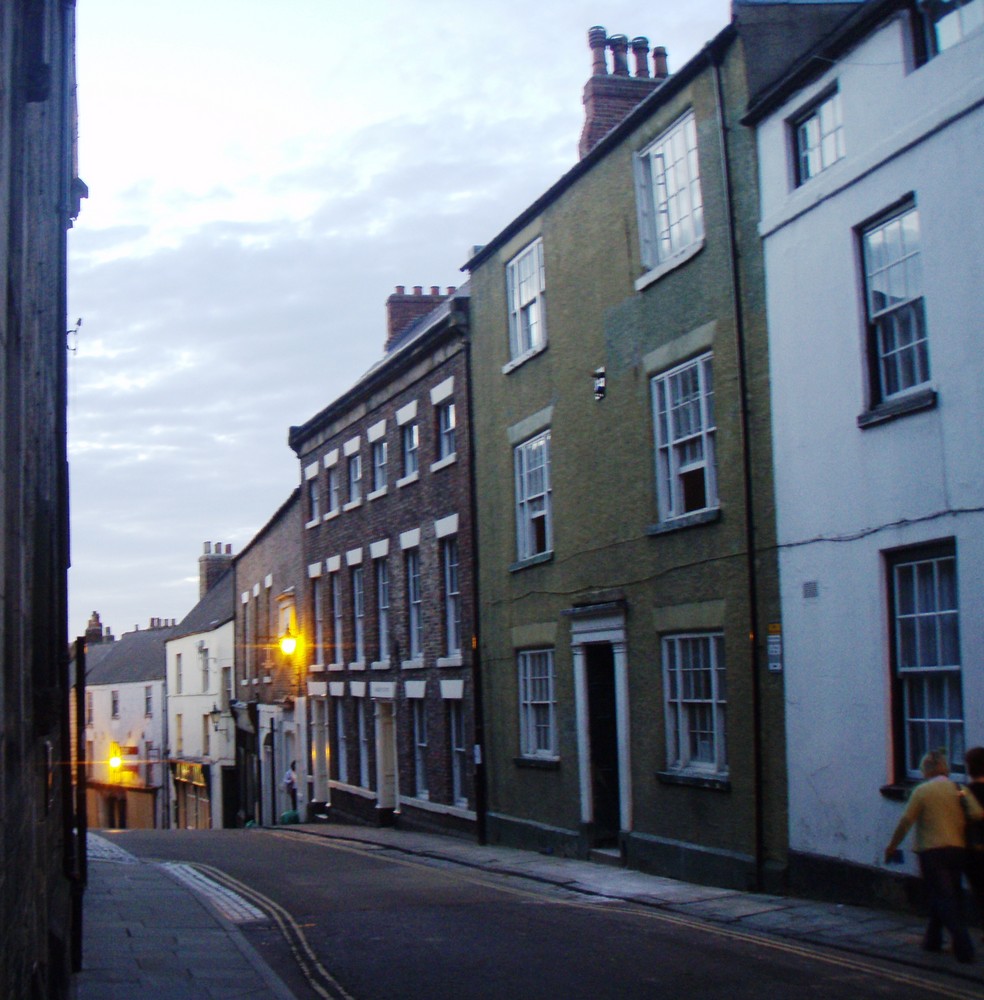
{"points": [[387, 781], [603, 743]]}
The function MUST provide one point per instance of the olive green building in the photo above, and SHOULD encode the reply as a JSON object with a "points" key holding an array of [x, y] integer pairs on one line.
{"points": [[629, 619]]}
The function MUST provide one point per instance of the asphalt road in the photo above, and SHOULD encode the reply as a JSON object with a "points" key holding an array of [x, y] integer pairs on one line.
{"points": [[360, 922]]}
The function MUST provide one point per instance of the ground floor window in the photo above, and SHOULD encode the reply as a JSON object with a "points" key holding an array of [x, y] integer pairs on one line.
{"points": [[459, 752], [926, 665], [696, 700], [418, 708], [537, 705]]}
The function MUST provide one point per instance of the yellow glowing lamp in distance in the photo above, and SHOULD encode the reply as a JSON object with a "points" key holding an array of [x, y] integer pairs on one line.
{"points": [[288, 643]]}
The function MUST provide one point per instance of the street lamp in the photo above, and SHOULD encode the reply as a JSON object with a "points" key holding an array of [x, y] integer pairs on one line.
{"points": [[288, 643], [215, 715]]}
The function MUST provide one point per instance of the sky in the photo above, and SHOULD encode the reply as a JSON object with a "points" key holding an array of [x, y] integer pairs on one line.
{"points": [[262, 174]]}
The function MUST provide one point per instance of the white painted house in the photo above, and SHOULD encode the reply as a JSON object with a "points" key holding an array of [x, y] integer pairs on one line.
{"points": [[872, 210], [201, 751]]}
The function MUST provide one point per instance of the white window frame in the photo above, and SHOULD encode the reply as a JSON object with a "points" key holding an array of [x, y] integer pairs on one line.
{"points": [[382, 608], [179, 673], [314, 499], [379, 460], [818, 137], [950, 22], [318, 614], [341, 740], [415, 606], [337, 617], [452, 595], [446, 425], [898, 343], [418, 718], [685, 432], [926, 661], [537, 704], [534, 507], [203, 663], [410, 438], [459, 751], [695, 699], [526, 302], [358, 614], [361, 706], [148, 701], [354, 472], [668, 194], [334, 491]]}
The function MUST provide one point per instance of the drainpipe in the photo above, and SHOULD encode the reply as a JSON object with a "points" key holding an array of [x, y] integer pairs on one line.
{"points": [[273, 773], [714, 56], [481, 787]]}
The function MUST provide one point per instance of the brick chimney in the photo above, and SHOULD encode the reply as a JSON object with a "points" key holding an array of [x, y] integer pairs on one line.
{"points": [[404, 309], [609, 97], [212, 564]]}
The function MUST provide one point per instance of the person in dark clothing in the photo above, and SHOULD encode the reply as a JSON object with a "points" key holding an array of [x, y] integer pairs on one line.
{"points": [[974, 764]]}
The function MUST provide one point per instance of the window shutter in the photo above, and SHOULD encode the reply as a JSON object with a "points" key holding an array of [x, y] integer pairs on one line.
{"points": [[644, 209]]}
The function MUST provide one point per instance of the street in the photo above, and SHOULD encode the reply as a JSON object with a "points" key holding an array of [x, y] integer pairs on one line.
{"points": [[338, 919]]}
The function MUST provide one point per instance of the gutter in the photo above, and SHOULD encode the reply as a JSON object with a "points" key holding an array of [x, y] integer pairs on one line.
{"points": [[713, 56]]}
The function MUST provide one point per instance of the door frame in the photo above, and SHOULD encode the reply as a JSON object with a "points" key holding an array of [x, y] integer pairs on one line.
{"points": [[592, 625]]}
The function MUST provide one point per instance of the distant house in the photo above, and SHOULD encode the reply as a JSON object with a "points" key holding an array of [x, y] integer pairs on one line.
{"points": [[125, 734], [389, 606], [624, 491], [200, 665], [267, 704], [871, 218]]}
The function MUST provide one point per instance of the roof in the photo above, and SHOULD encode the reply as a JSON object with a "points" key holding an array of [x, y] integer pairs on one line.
{"points": [[446, 316], [217, 607], [133, 657]]}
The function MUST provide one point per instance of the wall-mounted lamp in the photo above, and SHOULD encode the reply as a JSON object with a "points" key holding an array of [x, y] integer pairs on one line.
{"points": [[215, 715], [288, 643], [600, 382]]}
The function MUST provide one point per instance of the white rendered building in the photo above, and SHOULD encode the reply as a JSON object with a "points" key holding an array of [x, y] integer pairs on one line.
{"points": [[872, 209]]}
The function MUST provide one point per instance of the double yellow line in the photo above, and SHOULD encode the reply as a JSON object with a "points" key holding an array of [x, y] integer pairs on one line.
{"points": [[313, 970]]}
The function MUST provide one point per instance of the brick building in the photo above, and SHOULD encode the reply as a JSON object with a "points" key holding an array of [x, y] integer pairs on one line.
{"points": [[39, 194], [267, 707], [389, 599]]}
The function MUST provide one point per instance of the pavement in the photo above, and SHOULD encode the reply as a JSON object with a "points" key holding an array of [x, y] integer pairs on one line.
{"points": [[163, 930]]}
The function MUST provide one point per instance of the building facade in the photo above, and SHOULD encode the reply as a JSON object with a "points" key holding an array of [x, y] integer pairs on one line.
{"points": [[624, 491], [125, 729], [200, 674], [41, 877], [388, 539], [267, 711], [872, 209]]}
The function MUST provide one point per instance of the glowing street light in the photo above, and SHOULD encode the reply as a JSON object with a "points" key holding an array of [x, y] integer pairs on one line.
{"points": [[288, 643]]}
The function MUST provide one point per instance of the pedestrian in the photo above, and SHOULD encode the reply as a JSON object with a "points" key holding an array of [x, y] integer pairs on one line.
{"points": [[290, 782], [936, 809], [974, 766]]}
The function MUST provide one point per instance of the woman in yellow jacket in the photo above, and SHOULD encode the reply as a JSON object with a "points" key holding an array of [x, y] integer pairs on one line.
{"points": [[938, 808]]}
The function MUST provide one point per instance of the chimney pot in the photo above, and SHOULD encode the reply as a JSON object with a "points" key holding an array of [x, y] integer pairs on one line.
{"points": [[418, 289], [619, 44], [207, 548], [228, 548], [660, 70], [401, 289], [640, 52], [597, 38], [451, 289], [435, 289]]}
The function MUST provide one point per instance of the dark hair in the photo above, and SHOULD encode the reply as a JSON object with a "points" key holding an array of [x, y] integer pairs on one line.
{"points": [[974, 762]]}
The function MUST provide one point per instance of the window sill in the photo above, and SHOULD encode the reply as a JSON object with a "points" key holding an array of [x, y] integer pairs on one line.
{"points": [[670, 264], [538, 763], [896, 792], [380, 665], [412, 664], [357, 665], [892, 409], [313, 523], [381, 492], [336, 666], [450, 661], [694, 780], [443, 463], [332, 514], [523, 358], [407, 480], [543, 557], [687, 521], [316, 668], [352, 504]]}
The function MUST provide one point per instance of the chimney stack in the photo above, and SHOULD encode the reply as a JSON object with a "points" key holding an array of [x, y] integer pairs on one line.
{"points": [[403, 310], [211, 566], [609, 97]]}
